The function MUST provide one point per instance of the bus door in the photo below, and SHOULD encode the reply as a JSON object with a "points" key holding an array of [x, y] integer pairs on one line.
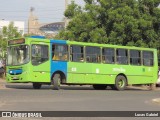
{"points": [[59, 59], [40, 62]]}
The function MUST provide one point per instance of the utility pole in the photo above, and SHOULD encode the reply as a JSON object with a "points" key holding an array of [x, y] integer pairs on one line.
{"points": [[30, 19], [33, 23], [65, 19], [66, 4]]}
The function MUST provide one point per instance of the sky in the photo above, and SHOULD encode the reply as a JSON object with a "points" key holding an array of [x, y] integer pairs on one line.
{"points": [[46, 10]]}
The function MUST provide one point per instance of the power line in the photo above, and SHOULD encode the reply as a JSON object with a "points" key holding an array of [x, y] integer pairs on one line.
{"points": [[41, 17], [28, 10]]}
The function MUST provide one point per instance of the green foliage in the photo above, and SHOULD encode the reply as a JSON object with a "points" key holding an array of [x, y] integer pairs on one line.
{"points": [[121, 22], [7, 33], [72, 10]]}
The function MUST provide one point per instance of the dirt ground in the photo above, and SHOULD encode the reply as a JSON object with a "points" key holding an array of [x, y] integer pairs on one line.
{"points": [[2, 83]]}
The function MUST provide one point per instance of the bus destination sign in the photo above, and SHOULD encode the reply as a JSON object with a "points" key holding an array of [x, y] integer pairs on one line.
{"points": [[17, 41]]}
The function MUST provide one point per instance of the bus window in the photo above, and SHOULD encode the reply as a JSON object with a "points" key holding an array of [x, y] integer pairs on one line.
{"points": [[93, 54], [135, 57], [18, 55], [147, 58], [76, 53], [60, 52], [122, 56], [39, 54], [108, 55]]}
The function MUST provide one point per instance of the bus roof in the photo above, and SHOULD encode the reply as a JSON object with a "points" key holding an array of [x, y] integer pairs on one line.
{"points": [[106, 45], [85, 43]]}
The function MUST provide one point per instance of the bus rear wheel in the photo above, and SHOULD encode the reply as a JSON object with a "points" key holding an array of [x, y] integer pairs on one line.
{"points": [[120, 82], [99, 87], [56, 81], [37, 85]]}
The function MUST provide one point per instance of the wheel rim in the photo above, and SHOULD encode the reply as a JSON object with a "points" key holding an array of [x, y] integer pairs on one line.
{"points": [[59, 83], [121, 83]]}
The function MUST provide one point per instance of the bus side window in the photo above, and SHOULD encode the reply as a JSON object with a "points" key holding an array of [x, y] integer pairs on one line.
{"points": [[55, 57], [65, 57], [77, 53], [148, 58], [108, 55], [54, 53], [88, 59], [81, 59], [135, 57], [99, 59], [92, 54], [60, 52], [103, 59], [122, 56]]}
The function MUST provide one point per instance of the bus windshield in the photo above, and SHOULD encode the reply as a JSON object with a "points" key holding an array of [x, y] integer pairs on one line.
{"points": [[18, 55]]}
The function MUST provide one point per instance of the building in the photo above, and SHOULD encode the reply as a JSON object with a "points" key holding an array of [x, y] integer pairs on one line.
{"points": [[51, 27], [18, 24], [37, 28]]}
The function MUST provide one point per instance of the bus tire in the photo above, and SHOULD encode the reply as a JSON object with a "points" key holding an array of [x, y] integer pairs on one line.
{"points": [[56, 81], [99, 87], [37, 85], [120, 82]]}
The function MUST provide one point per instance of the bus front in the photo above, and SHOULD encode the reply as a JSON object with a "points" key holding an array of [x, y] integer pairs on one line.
{"points": [[18, 58]]}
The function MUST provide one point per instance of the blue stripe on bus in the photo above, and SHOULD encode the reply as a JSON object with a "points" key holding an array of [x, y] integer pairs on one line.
{"points": [[58, 42], [15, 72], [40, 37], [58, 65]]}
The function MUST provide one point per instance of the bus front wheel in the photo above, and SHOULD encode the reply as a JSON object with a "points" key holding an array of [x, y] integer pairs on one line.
{"points": [[120, 82], [56, 81], [37, 85]]}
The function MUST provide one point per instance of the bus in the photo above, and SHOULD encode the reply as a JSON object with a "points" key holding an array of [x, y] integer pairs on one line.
{"points": [[39, 61]]}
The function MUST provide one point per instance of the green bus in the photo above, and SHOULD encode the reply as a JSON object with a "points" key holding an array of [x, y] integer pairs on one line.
{"points": [[55, 62]]}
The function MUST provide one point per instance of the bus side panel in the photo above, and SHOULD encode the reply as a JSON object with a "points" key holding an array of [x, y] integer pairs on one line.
{"points": [[57, 66], [143, 74], [139, 74], [89, 73], [97, 73], [41, 72]]}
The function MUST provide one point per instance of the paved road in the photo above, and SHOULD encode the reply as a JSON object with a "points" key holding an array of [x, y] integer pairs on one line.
{"points": [[21, 97]]}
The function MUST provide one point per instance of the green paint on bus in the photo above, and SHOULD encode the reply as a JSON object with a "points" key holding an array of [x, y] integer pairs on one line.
{"points": [[94, 64]]}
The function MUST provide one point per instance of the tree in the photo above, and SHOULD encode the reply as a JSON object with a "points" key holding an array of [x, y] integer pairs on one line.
{"points": [[7, 33], [121, 22]]}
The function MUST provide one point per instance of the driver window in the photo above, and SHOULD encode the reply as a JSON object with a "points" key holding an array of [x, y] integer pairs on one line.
{"points": [[39, 54]]}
